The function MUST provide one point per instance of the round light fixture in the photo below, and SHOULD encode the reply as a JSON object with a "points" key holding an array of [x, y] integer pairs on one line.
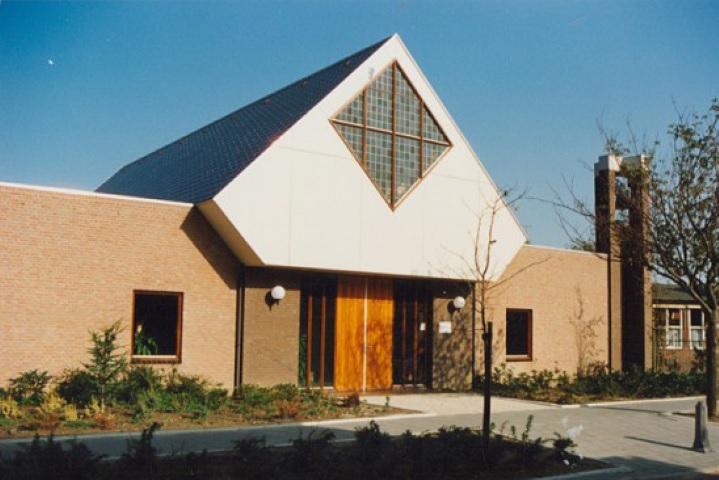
{"points": [[458, 303], [278, 293]]}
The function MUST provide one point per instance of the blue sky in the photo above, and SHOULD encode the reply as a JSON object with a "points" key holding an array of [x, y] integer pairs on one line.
{"points": [[87, 87]]}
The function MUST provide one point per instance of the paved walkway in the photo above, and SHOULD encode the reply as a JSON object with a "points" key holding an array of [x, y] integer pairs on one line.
{"points": [[641, 439]]}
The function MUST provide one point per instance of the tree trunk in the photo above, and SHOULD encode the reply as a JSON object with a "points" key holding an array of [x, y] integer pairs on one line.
{"points": [[711, 362]]}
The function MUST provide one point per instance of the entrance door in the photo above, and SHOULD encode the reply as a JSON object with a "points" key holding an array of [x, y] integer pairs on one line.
{"points": [[363, 334]]}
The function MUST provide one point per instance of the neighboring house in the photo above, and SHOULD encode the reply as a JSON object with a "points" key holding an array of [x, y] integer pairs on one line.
{"points": [[679, 328], [322, 235]]}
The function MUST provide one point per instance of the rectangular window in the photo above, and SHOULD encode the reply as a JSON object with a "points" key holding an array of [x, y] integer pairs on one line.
{"points": [[519, 334], [697, 330], [157, 326], [673, 327]]}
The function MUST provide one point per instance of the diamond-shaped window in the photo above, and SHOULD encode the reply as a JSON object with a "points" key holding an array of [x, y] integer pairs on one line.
{"points": [[392, 134]]}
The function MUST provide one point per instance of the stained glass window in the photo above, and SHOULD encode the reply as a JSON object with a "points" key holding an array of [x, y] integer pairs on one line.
{"points": [[392, 134]]}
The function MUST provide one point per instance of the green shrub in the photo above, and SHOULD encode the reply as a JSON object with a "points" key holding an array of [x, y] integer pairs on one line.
{"points": [[29, 387], [371, 440], [48, 460], [136, 381], [285, 391], [311, 456], [253, 397], [107, 362], [76, 387], [141, 454], [596, 382], [252, 460]]}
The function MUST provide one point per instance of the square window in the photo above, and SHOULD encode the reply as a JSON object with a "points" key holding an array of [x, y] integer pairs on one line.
{"points": [[157, 326], [519, 334]]}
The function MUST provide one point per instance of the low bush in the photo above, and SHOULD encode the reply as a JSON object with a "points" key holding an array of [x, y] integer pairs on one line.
{"points": [[596, 382], [48, 460], [452, 452], [28, 387], [76, 386]]}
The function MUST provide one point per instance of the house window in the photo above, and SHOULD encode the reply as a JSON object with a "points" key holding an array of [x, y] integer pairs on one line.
{"points": [[519, 334], [157, 326], [697, 330], [673, 328], [392, 134]]}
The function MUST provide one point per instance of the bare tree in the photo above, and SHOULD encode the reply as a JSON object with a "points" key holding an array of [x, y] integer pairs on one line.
{"points": [[481, 268], [585, 334]]}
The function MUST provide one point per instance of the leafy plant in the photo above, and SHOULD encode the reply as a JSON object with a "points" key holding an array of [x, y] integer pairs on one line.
{"points": [[141, 454], [76, 386], [371, 442], [252, 459], [48, 460], [28, 387], [9, 408], [310, 456], [107, 362], [144, 344]]}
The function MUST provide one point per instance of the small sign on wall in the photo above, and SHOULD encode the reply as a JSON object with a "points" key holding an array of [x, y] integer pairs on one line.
{"points": [[445, 327]]}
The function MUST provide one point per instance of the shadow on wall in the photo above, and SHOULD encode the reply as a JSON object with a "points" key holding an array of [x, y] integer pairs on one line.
{"points": [[452, 368], [211, 246]]}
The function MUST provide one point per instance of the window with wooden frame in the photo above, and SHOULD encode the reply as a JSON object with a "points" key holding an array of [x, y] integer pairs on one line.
{"points": [[157, 326], [519, 335], [392, 134]]}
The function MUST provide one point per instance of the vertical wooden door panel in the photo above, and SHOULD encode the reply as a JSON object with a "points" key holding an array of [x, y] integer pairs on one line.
{"points": [[380, 309], [349, 333]]}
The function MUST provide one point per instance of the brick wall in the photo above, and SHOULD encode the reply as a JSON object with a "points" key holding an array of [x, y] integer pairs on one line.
{"points": [[552, 282], [451, 352], [271, 333], [69, 262]]}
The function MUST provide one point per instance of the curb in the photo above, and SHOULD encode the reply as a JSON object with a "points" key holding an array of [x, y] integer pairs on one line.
{"points": [[590, 473]]}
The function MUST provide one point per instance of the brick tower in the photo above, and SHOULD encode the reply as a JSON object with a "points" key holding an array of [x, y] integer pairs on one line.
{"points": [[621, 196]]}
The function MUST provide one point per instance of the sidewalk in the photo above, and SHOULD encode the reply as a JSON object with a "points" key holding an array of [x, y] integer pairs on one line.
{"points": [[643, 439]]}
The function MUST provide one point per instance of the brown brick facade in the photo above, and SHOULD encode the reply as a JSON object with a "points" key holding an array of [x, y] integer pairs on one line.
{"points": [[452, 352], [552, 283], [271, 332], [70, 261]]}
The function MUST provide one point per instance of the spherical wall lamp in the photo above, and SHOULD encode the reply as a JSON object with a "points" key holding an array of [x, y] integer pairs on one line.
{"points": [[458, 303], [278, 293]]}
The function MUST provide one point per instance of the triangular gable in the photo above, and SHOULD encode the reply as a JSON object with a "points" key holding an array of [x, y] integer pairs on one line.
{"points": [[199, 165], [307, 203]]}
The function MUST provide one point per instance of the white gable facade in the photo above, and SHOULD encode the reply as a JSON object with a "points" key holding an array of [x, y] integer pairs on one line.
{"points": [[307, 203]]}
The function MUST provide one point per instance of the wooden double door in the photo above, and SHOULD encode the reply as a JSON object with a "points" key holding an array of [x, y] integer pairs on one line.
{"points": [[364, 333]]}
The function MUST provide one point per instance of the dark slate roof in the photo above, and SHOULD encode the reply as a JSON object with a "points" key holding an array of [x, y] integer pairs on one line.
{"points": [[670, 293], [196, 167]]}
